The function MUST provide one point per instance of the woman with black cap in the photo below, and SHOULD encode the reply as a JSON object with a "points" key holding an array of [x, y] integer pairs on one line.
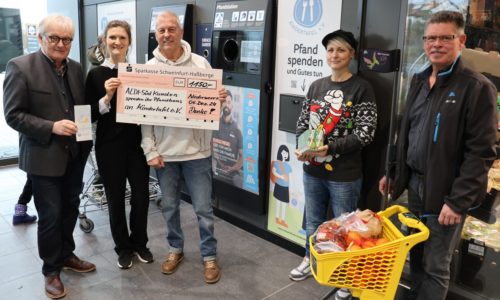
{"points": [[341, 108]]}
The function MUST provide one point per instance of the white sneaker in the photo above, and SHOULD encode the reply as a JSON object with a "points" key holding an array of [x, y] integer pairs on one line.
{"points": [[302, 271], [343, 294]]}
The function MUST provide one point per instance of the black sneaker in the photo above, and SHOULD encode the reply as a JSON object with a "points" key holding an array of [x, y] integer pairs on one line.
{"points": [[144, 255], [125, 260]]}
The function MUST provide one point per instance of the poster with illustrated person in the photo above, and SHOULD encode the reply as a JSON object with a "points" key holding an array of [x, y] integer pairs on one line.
{"points": [[280, 176], [285, 204]]}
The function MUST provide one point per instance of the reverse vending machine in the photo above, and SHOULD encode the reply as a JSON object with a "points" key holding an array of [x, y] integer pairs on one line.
{"points": [[243, 46], [185, 14], [204, 40]]}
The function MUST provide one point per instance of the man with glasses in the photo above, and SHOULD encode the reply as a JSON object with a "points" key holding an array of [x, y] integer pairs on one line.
{"points": [[444, 151], [40, 92]]}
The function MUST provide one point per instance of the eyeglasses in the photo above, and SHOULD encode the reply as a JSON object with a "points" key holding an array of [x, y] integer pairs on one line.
{"points": [[443, 38], [54, 39]]}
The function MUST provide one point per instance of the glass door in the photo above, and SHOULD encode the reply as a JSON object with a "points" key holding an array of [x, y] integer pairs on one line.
{"points": [[11, 45], [482, 28], [8, 137], [18, 35]]}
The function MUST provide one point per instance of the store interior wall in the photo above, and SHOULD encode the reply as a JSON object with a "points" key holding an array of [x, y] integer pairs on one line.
{"points": [[70, 9], [383, 28], [203, 13]]}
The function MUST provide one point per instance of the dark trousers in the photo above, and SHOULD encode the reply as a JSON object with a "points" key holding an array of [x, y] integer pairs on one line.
{"points": [[27, 192], [430, 261], [57, 201], [118, 161]]}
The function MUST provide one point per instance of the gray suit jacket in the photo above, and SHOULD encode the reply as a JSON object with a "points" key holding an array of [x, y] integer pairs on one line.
{"points": [[32, 103]]}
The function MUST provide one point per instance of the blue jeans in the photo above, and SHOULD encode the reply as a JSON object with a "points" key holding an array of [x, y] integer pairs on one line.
{"points": [[430, 261], [342, 196], [198, 177]]}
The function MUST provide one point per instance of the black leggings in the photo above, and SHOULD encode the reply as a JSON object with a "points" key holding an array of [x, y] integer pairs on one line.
{"points": [[25, 196]]}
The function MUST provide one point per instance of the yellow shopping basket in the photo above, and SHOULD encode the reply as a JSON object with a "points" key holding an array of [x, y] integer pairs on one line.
{"points": [[371, 273]]}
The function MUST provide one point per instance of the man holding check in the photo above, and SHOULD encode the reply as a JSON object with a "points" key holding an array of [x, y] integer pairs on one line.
{"points": [[178, 153], [41, 92]]}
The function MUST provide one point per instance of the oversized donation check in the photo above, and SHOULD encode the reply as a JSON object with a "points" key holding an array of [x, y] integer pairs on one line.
{"points": [[169, 96]]}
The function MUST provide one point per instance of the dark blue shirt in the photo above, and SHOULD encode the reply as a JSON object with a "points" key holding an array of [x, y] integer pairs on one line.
{"points": [[419, 126]]}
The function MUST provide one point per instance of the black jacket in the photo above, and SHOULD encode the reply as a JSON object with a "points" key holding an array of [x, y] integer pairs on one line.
{"points": [[461, 140], [107, 128], [32, 103]]}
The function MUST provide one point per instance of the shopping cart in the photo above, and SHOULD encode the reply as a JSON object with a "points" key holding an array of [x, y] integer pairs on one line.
{"points": [[93, 196], [371, 273]]}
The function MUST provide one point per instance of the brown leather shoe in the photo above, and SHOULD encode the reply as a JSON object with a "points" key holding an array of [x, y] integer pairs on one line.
{"points": [[54, 289], [173, 260], [212, 271], [78, 265]]}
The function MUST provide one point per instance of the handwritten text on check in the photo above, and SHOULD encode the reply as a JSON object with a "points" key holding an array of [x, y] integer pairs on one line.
{"points": [[169, 96]]}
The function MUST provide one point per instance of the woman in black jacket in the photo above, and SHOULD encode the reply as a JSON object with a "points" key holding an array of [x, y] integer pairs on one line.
{"points": [[118, 151]]}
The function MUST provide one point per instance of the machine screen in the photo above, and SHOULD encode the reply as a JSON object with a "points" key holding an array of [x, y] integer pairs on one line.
{"points": [[250, 51]]}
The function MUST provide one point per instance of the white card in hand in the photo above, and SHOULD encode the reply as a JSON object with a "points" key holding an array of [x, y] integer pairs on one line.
{"points": [[83, 122]]}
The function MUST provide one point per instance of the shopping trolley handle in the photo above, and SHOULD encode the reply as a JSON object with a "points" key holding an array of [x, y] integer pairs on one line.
{"points": [[410, 220], [391, 210], [406, 217]]}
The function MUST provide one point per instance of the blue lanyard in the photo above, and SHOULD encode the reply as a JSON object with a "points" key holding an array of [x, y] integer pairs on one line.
{"points": [[436, 127]]}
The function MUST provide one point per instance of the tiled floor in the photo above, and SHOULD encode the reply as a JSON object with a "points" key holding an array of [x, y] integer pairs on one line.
{"points": [[252, 268]]}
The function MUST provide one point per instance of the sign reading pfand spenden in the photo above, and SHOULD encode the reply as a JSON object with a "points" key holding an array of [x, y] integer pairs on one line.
{"points": [[165, 95]]}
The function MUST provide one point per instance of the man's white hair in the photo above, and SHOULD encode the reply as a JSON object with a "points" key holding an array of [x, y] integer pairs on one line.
{"points": [[168, 13], [59, 20]]}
